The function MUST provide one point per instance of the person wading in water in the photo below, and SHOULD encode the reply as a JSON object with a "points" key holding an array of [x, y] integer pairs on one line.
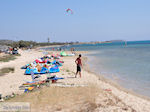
{"points": [[79, 65]]}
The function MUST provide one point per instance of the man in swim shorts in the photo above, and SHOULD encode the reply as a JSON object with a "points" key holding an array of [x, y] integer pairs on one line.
{"points": [[79, 65]]}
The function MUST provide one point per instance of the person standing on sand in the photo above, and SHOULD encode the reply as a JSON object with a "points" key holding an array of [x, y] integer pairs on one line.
{"points": [[79, 65]]}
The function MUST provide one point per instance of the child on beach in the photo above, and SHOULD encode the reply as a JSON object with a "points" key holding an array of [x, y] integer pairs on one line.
{"points": [[79, 65]]}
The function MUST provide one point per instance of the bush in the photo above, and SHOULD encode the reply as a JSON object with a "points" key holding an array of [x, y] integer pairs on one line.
{"points": [[30, 44], [3, 71]]}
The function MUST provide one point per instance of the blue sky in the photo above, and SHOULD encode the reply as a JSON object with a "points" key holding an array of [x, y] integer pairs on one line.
{"points": [[93, 20]]}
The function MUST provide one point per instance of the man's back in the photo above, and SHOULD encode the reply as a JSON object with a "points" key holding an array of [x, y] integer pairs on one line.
{"points": [[78, 61]]}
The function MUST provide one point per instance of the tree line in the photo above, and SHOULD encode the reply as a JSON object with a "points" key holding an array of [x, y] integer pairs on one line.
{"points": [[31, 44]]}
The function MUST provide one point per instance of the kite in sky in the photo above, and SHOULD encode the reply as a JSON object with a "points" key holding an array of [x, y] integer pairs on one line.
{"points": [[69, 11]]}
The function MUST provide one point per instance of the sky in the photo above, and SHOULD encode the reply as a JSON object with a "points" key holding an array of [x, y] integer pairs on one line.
{"points": [[92, 20]]}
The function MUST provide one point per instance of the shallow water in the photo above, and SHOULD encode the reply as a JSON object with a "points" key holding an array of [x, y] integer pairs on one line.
{"points": [[128, 65]]}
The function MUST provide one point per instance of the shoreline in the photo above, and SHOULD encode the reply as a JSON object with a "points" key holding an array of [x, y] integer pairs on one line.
{"points": [[112, 82], [125, 100]]}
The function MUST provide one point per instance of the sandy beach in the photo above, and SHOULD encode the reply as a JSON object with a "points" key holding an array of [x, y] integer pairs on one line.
{"points": [[89, 93]]}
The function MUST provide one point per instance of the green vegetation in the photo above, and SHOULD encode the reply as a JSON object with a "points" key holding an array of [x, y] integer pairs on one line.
{"points": [[67, 70], [28, 44], [22, 44], [8, 58], [5, 70], [4, 44], [17, 55]]}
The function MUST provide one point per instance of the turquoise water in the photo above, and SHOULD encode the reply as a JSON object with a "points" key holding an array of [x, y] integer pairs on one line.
{"points": [[128, 65]]}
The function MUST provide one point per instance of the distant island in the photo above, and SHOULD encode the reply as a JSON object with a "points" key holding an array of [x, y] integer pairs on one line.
{"points": [[99, 42]]}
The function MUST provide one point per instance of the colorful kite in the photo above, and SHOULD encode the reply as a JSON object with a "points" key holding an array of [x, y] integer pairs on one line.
{"points": [[69, 11]]}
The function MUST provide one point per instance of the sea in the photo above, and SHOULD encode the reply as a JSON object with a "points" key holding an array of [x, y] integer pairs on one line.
{"points": [[127, 63]]}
